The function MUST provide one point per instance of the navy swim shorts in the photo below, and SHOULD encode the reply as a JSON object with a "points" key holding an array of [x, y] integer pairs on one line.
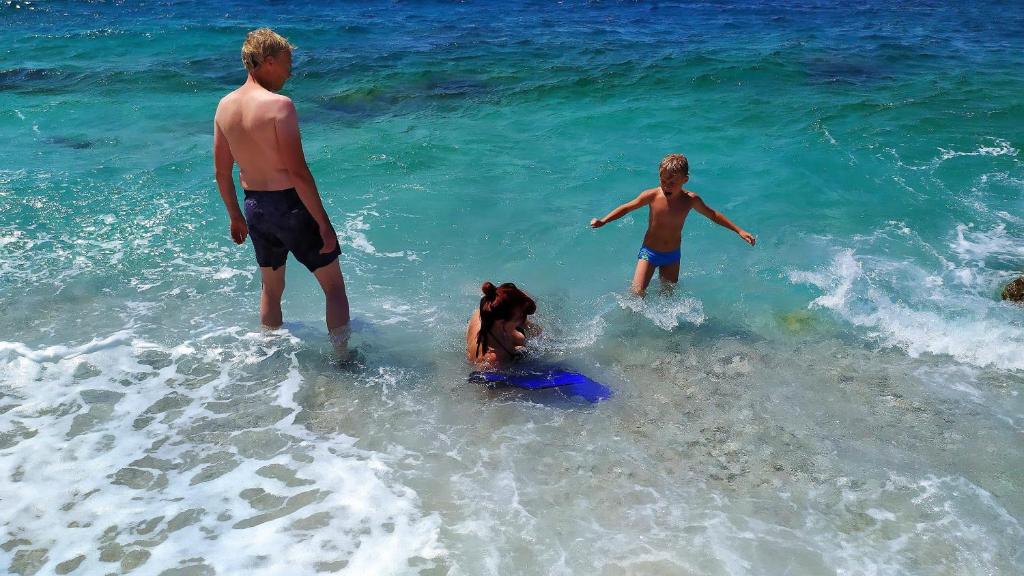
{"points": [[279, 223]]}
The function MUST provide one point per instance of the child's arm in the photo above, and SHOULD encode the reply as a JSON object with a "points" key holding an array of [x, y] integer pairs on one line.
{"points": [[643, 199], [720, 219]]}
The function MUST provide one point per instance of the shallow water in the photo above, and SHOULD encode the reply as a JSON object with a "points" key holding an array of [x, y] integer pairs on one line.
{"points": [[842, 399]]}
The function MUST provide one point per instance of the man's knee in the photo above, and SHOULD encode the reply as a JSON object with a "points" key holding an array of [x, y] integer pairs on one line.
{"points": [[274, 291], [335, 291], [333, 284]]}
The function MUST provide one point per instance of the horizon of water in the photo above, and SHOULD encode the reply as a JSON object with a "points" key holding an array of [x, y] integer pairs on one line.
{"points": [[843, 398]]}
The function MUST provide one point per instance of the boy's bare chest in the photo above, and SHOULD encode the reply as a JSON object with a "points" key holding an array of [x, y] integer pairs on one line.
{"points": [[671, 209]]}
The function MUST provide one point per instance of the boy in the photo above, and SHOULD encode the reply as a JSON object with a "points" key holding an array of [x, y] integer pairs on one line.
{"points": [[669, 205]]}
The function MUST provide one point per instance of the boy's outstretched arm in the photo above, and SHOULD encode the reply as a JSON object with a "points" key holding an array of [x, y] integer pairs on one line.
{"points": [[643, 199], [720, 219]]}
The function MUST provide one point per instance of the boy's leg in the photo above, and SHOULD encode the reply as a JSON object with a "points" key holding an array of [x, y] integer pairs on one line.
{"points": [[333, 285], [270, 296], [669, 276], [669, 272], [642, 276]]}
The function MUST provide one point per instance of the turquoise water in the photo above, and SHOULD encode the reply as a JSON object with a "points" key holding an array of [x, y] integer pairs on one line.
{"points": [[843, 398]]}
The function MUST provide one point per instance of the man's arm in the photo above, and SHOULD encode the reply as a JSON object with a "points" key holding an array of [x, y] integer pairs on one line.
{"points": [[289, 146], [720, 219], [223, 164], [643, 199]]}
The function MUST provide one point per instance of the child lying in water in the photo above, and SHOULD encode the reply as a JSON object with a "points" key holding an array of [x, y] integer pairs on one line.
{"points": [[497, 331]]}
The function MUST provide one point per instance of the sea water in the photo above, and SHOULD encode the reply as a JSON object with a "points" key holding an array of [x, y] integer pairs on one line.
{"points": [[843, 398]]}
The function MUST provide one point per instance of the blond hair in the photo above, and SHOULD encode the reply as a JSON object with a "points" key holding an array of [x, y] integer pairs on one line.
{"points": [[261, 43], [674, 164]]}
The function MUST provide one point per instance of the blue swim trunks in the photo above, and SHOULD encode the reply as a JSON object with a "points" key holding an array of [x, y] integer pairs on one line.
{"points": [[278, 224], [658, 258]]}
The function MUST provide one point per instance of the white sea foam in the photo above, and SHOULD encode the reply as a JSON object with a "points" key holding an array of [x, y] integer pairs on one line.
{"points": [[666, 311], [960, 379], [907, 524], [933, 319], [572, 338], [978, 246], [353, 234], [10, 237], [922, 511], [228, 272], [145, 454], [829, 136], [999, 147]]}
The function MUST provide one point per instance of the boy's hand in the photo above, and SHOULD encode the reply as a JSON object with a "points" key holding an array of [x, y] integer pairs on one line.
{"points": [[748, 237], [596, 223], [239, 230]]}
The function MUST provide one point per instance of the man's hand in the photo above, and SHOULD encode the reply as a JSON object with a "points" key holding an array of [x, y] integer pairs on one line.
{"points": [[329, 238], [239, 230], [596, 222], [748, 237]]}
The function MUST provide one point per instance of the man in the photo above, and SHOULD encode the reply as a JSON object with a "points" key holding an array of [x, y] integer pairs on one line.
{"points": [[259, 130]]}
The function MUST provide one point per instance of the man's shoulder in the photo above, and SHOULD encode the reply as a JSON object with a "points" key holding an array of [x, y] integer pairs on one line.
{"points": [[273, 99], [261, 97], [275, 105], [268, 96], [227, 100]]}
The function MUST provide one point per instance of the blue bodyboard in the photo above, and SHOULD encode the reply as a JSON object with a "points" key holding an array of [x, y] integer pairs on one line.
{"points": [[569, 383]]}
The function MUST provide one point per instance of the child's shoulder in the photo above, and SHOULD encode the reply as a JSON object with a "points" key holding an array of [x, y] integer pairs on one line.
{"points": [[691, 195]]}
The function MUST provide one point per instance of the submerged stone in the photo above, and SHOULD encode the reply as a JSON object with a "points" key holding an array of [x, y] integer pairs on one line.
{"points": [[184, 519], [28, 562], [797, 321], [214, 471], [70, 142], [134, 558], [14, 543], [133, 478], [112, 552], [294, 503], [194, 570], [69, 566], [259, 444], [261, 500], [284, 474]]}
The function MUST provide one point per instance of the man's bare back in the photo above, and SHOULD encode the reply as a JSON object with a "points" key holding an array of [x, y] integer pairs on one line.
{"points": [[248, 119]]}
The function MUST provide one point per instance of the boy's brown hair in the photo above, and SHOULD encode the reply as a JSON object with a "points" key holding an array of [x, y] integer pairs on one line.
{"points": [[674, 164], [261, 43]]}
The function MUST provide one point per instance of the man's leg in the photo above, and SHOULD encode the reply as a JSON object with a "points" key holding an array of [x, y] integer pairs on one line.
{"points": [[642, 276], [333, 285], [669, 276], [270, 298]]}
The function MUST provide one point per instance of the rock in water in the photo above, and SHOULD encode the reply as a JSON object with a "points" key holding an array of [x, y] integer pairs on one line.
{"points": [[1014, 290]]}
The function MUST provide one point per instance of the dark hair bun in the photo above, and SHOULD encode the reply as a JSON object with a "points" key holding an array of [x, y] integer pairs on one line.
{"points": [[489, 290]]}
